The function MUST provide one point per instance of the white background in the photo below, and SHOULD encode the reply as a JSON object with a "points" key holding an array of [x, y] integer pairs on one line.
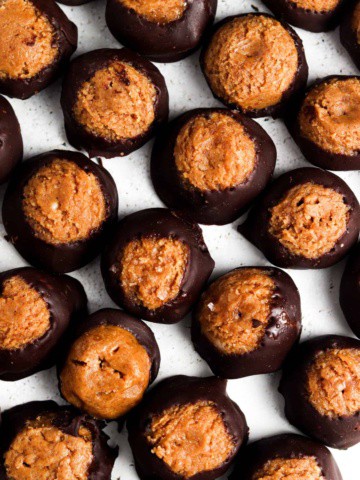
{"points": [[42, 127]]}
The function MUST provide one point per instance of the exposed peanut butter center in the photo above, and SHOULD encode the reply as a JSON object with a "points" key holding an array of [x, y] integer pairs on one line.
{"points": [[309, 220], [157, 11], [106, 372], [214, 152], [251, 61], [235, 309], [356, 21], [334, 382], [63, 203], [330, 116], [317, 6], [24, 314], [44, 452], [27, 40], [152, 270], [191, 438], [117, 103], [305, 468]]}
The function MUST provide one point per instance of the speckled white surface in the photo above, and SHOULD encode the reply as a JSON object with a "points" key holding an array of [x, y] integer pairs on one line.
{"points": [[42, 127]]}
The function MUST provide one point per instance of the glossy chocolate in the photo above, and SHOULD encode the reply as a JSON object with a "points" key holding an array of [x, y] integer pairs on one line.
{"points": [[11, 144], [350, 291], [67, 303], [161, 42], [348, 34], [69, 421], [337, 432], [64, 257], [282, 331], [80, 71], [73, 3], [256, 227], [182, 390], [213, 206]]}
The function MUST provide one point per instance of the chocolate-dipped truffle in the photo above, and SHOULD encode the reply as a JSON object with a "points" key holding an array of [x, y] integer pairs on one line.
{"points": [[247, 321], [163, 31], [113, 102], [350, 32], [211, 163], [36, 311], [40, 440], [58, 210], [187, 427], [326, 124], [308, 218], [37, 40], [312, 15], [321, 387], [109, 365], [11, 144], [156, 265], [255, 64], [286, 456], [350, 291]]}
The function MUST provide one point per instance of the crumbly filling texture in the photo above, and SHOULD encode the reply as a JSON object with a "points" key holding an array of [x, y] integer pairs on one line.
{"points": [[117, 103], [309, 220], [330, 116], [152, 270], [251, 61], [24, 314], [334, 382], [190, 438], [106, 373], [235, 310], [214, 152], [356, 21], [158, 11], [27, 40], [317, 6], [63, 203], [305, 468]]}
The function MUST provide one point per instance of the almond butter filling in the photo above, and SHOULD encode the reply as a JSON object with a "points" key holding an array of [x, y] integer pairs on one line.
{"points": [[235, 310], [214, 152], [63, 203], [309, 220], [190, 438], [330, 116], [27, 43], [305, 468], [157, 11], [317, 5], [356, 21], [106, 372], [117, 103], [334, 382], [152, 270], [24, 314], [251, 62]]}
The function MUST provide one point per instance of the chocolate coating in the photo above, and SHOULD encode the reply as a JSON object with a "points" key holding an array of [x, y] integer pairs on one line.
{"points": [[66, 301], [338, 432], [168, 42], [285, 446], [282, 331], [348, 35], [212, 206], [68, 420], [11, 144], [74, 3], [66, 42], [350, 291], [180, 390], [256, 226], [81, 70], [62, 257]]}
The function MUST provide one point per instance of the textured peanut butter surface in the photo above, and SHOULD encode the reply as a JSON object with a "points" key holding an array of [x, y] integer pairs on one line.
{"points": [[24, 314], [116, 103], [190, 438], [106, 373], [330, 116], [305, 468], [27, 40], [157, 11], [63, 203], [251, 61], [235, 310], [152, 270], [317, 5], [309, 220], [214, 152], [334, 382], [356, 21]]}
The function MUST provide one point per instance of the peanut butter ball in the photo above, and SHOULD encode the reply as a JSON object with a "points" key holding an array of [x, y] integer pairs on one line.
{"points": [[350, 32], [11, 144], [350, 291]]}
